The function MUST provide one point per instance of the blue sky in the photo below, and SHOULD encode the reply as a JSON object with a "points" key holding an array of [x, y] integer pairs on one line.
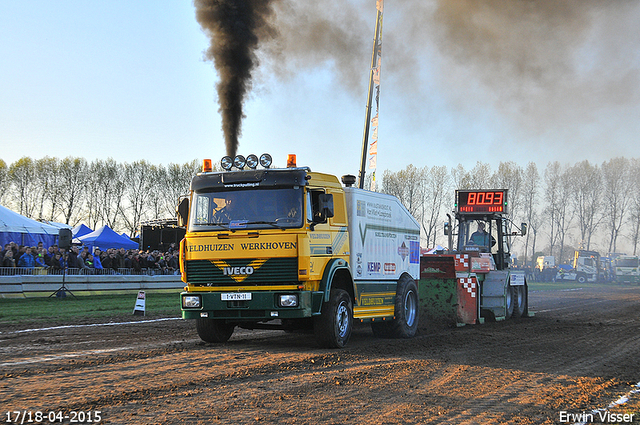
{"points": [[462, 81]]}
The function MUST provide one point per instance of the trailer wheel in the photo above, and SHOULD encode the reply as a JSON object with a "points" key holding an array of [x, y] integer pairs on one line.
{"points": [[333, 327], [211, 330], [520, 300]]}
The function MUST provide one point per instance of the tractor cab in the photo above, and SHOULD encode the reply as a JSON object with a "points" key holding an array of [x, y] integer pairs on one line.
{"points": [[483, 225]]}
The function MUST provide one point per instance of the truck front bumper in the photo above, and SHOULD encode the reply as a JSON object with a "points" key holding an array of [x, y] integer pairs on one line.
{"points": [[250, 306]]}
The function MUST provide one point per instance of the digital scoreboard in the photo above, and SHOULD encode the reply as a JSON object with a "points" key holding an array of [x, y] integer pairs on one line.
{"points": [[481, 201]]}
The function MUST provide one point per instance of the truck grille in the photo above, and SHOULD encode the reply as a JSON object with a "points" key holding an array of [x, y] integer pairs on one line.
{"points": [[274, 271]]}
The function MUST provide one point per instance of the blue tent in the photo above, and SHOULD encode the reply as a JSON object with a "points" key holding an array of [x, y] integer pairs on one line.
{"points": [[80, 230], [25, 231], [105, 238]]}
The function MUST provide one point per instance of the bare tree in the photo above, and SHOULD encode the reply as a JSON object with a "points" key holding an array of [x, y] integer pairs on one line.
{"points": [[107, 189], [565, 213], [177, 184], [157, 195], [586, 180], [530, 196], [552, 196], [436, 190], [634, 213], [509, 175], [617, 196], [138, 186], [47, 180], [4, 180], [73, 178], [21, 176], [406, 185], [478, 178]]}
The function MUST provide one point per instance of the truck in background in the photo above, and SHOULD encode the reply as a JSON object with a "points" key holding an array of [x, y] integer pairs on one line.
{"points": [[546, 269], [588, 266], [474, 280], [294, 249], [627, 269], [545, 262]]}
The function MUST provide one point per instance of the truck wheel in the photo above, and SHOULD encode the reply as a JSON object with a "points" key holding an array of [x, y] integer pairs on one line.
{"points": [[581, 278], [406, 311], [211, 330], [333, 327], [519, 300]]}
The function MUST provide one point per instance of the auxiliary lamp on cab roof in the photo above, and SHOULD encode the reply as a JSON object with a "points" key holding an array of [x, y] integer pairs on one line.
{"points": [[239, 161]]}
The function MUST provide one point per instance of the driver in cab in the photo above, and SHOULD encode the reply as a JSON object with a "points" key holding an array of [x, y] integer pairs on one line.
{"points": [[481, 238], [232, 211]]}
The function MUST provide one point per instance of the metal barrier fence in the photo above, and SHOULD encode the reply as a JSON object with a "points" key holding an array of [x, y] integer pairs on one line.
{"points": [[41, 271]]}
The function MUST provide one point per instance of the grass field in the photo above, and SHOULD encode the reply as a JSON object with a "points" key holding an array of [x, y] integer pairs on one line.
{"points": [[158, 303]]}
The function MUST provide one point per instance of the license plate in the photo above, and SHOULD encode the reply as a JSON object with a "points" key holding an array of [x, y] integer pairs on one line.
{"points": [[236, 296]]}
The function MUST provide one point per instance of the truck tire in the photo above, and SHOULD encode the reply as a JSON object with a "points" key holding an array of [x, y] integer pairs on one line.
{"points": [[407, 312], [211, 330], [407, 308], [333, 327], [581, 278], [520, 300]]}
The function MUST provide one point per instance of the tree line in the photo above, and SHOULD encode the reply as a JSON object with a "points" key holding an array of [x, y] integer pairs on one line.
{"points": [[72, 190], [566, 207]]}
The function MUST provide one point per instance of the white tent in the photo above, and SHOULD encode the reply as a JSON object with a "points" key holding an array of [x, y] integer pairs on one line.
{"points": [[23, 230]]}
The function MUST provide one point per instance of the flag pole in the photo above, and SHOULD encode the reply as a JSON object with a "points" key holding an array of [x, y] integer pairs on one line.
{"points": [[367, 121]]}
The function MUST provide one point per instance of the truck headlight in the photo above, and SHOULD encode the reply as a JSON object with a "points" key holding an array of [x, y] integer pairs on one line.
{"points": [[191, 301], [288, 300]]}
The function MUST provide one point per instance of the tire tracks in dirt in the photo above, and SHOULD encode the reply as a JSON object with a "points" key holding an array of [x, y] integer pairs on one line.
{"points": [[522, 371]]}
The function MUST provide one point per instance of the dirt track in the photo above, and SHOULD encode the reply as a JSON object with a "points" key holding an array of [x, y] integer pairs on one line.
{"points": [[580, 352]]}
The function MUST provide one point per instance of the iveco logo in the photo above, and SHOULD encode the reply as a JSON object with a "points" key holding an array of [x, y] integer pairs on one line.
{"points": [[241, 273], [237, 271]]}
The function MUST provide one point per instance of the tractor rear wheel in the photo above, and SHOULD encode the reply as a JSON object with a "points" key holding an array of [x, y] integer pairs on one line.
{"points": [[520, 301]]}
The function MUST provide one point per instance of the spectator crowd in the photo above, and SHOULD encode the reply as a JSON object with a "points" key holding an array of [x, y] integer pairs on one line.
{"points": [[80, 259]]}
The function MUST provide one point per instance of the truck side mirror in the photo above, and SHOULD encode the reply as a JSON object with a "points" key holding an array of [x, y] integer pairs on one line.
{"points": [[447, 228], [523, 227], [183, 212], [323, 208], [325, 201]]}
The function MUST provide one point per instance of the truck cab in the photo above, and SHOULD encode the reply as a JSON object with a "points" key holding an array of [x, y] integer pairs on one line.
{"points": [[294, 249], [627, 269]]}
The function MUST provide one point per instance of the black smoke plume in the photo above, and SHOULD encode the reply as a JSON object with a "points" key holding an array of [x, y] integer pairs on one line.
{"points": [[234, 28]]}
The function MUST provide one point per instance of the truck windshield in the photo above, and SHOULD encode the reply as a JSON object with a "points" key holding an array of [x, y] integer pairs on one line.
{"points": [[627, 262], [246, 209], [475, 236]]}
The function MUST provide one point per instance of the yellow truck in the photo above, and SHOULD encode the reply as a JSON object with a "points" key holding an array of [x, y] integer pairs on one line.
{"points": [[294, 249]]}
